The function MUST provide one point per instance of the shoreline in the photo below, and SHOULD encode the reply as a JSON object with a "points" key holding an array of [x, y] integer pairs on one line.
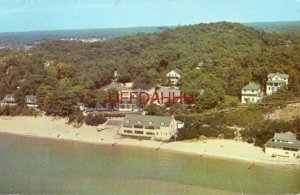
{"points": [[56, 129]]}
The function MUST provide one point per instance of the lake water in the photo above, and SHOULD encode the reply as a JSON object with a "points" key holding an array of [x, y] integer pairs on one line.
{"points": [[31, 165]]}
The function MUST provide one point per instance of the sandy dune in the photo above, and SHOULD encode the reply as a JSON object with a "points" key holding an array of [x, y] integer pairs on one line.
{"points": [[49, 127]]}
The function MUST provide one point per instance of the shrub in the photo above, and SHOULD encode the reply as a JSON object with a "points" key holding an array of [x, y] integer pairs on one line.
{"points": [[112, 114], [11, 111], [281, 95], [95, 120], [77, 117], [207, 131], [261, 132]]}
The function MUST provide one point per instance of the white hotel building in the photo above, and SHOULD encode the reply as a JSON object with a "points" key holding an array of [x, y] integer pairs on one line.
{"points": [[162, 128]]}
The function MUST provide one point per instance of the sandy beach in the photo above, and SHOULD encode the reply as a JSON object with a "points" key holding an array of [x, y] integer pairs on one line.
{"points": [[57, 128]]}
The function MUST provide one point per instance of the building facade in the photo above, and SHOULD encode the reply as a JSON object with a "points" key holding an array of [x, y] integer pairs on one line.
{"points": [[283, 145], [276, 81], [161, 128], [251, 93]]}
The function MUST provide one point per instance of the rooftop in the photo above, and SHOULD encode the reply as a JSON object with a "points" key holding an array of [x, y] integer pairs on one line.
{"points": [[114, 85], [295, 145], [9, 96], [251, 86], [147, 120], [288, 136], [144, 87], [283, 76], [31, 98], [178, 71], [167, 90]]}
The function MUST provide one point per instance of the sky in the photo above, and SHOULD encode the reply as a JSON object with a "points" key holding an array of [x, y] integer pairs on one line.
{"points": [[29, 15]]}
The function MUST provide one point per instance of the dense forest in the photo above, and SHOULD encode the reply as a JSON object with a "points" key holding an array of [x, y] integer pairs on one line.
{"points": [[231, 54]]}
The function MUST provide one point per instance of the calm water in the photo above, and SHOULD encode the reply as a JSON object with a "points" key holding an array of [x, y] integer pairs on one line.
{"points": [[30, 165]]}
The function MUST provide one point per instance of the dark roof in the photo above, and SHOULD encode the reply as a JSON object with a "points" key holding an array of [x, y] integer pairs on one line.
{"points": [[251, 86], [132, 119]]}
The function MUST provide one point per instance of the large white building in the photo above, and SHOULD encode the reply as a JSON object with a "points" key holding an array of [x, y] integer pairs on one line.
{"points": [[276, 81], [251, 93], [174, 76], [283, 145], [162, 128]]}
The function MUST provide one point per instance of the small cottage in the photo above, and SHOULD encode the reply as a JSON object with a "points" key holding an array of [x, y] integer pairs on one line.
{"points": [[283, 145], [276, 81], [251, 93], [9, 100], [174, 76], [31, 101]]}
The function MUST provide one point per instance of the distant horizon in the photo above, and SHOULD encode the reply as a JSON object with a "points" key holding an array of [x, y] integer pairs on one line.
{"points": [[125, 27], [37, 15]]}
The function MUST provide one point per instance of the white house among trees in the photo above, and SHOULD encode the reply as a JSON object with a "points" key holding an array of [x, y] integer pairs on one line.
{"points": [[251, 93], [9, 100], [174, 76], [276, 81]]}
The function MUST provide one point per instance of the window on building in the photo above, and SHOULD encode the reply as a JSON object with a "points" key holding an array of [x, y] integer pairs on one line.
{"points": [[127, 121], [139, 132], [150, 127], [150, 123], [162, 123], [139, 122], [127, 131], [138, 126]]}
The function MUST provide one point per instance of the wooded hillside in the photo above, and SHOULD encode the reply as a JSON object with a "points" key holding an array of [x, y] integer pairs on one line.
{"points": [[232, 55]]}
